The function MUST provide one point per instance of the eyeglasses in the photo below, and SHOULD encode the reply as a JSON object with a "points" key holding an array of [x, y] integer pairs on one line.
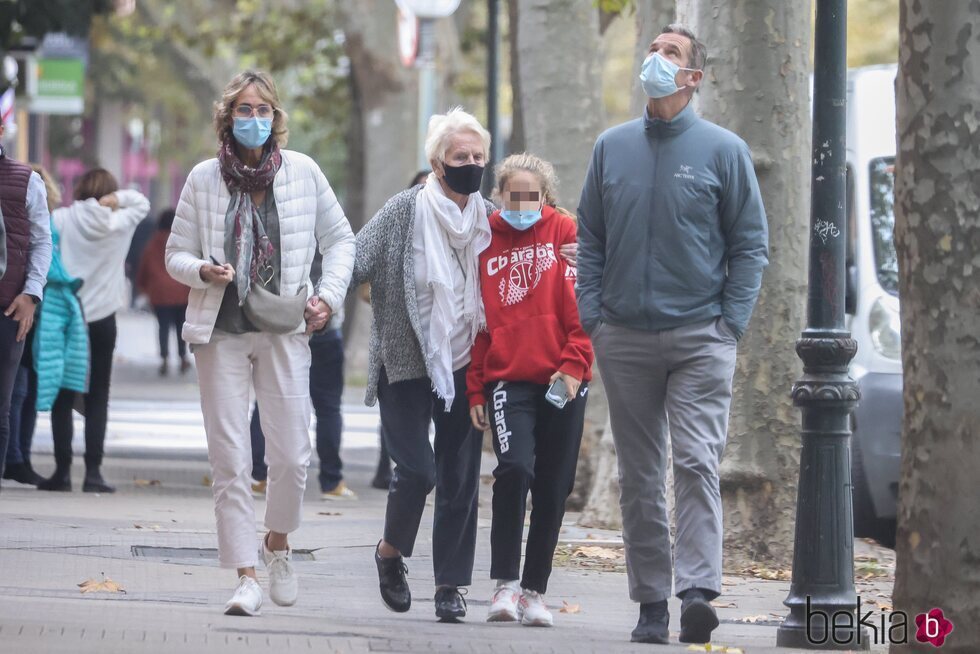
{"points": [[247, 111]]}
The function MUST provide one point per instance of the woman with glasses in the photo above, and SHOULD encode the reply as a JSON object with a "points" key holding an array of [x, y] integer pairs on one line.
{"points": [[246, 229]]}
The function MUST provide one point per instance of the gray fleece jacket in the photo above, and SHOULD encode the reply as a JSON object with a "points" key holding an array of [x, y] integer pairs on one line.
{"points": [[671, 230], [385, 260]]}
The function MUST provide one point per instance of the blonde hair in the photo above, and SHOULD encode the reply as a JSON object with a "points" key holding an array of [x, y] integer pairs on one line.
{"points": [[51, 186], [442, 127], [265, 86], [538, 167]]}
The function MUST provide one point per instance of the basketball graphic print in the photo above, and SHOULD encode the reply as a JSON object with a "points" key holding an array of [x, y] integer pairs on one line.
{"points": [[525, 273]]}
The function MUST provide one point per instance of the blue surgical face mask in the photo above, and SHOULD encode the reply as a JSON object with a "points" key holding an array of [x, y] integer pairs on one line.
{"points": [[252, 132], [521, 220], [657, 76]]}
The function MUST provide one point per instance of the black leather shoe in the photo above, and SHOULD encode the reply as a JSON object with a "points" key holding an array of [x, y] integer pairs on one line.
{"points": [[94, 483], [394, 586], [22, 473], [652, 625], [698, 618], [450, 605], [57, 482]]}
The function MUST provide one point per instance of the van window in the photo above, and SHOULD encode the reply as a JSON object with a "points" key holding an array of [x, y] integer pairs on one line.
{"points": [[882, 180]]}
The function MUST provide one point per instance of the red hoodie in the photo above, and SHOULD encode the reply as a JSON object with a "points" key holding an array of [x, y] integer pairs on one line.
{"points": [[533, 328]]}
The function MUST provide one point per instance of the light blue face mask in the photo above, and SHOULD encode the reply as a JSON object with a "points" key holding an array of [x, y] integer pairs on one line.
{"points": [[521, 220], [657, 76], [252, 132]]}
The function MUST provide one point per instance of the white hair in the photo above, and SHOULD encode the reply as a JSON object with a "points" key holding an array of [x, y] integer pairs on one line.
{"points": [[442, 127]]}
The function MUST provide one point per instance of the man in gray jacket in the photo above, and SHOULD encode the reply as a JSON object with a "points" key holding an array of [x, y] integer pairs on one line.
{"points": [[672, 245]]}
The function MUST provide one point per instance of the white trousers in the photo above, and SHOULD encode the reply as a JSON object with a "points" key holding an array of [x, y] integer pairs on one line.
{"points": [[278, 366]]}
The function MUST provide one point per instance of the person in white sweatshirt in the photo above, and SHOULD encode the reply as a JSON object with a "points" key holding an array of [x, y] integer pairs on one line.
{"points": [[95, 231]]}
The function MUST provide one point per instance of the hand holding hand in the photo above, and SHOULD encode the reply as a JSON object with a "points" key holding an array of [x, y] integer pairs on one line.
{"points": [[317, 314]]}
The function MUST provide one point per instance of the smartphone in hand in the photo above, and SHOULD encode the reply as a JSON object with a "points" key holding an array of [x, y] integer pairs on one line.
{"points": [[557, 393]]}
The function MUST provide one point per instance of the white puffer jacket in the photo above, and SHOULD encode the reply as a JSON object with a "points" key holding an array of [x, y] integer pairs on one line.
{"points": [[309, 216]]}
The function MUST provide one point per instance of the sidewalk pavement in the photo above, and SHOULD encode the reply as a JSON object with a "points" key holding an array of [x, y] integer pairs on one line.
{"points": [[156, 538]]}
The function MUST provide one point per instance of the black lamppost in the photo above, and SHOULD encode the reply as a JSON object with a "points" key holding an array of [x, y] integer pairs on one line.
{"points": [[822, 600]]}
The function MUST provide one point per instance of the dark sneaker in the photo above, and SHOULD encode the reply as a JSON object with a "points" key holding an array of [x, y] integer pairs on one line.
{"points": [[450, 605], [652, 625], [57, 482], [394, 586], [94, 483], [381, 481], [698, 618]]}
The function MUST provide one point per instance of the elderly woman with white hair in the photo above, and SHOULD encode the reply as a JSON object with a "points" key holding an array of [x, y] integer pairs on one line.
{"points": [[420, 254]]}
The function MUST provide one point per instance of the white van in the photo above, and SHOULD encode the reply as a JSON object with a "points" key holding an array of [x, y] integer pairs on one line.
{"points": [[872, 300]]}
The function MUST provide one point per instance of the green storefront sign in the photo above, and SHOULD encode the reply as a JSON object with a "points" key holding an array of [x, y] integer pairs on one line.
{"points": [[59, 86]]}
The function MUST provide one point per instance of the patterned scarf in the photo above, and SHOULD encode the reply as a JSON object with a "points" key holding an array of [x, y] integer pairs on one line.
{"points": [[253, 250]]}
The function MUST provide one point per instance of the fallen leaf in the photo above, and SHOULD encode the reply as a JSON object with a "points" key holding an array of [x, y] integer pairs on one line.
{"points": [[596, 552], [752, 619], [569, 608], [105, 586], [708, 647], [328, 513], [724, 605], [147, 482], [206, 481]]}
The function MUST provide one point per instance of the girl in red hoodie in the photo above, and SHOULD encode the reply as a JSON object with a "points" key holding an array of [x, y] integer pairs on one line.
{"points": [[533, 338]]}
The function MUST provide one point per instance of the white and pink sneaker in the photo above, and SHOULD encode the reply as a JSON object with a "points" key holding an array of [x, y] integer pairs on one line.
{"points": [[503, 605]]}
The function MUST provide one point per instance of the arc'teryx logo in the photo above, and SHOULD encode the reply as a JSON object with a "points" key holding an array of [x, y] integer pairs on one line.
{"points": [[684, 172]]}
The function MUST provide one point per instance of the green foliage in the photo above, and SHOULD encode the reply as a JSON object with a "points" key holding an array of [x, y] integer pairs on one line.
{"points": [[615, 6], [20, 18]]}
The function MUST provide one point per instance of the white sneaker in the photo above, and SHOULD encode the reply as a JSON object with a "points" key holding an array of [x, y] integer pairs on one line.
{"points": [[532, 610], [247, 599], [503, 605], [283, 586]]}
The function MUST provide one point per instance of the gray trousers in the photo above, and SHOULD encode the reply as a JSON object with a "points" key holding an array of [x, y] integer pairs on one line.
{"points": [[682, 378]]}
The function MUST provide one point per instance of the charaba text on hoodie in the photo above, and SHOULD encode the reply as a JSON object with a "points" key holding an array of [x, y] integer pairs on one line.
{"points": [[533, 326]]}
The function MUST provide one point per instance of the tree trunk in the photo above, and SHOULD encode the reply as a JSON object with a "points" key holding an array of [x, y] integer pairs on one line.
{"points": [[756, 84], [516, 142], [561, 114], [560, 92], [383, 153], [937, 234], [651, 17]]}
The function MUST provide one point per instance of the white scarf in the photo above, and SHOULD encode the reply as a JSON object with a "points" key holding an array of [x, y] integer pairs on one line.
{"points": [[467, 232]]}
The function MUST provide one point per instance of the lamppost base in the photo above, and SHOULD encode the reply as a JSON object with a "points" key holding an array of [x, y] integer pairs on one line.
{"points": [[799, 637]]}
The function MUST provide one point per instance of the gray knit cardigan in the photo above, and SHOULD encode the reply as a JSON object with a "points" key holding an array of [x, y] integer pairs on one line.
{"points": [[385, 258]]}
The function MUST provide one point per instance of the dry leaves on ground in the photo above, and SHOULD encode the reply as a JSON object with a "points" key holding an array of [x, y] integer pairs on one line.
{"points": [[596, 552], [605, 559], [105, 586], [569, 608], [770, 574], [143, 483], [708, 647], [724, 605]]}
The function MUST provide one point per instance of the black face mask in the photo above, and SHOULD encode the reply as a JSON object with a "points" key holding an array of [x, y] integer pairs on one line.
{"points": [[464, 179]]}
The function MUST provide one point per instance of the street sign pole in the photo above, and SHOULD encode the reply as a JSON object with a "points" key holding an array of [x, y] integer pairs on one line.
{"points": [[822, 600]]}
